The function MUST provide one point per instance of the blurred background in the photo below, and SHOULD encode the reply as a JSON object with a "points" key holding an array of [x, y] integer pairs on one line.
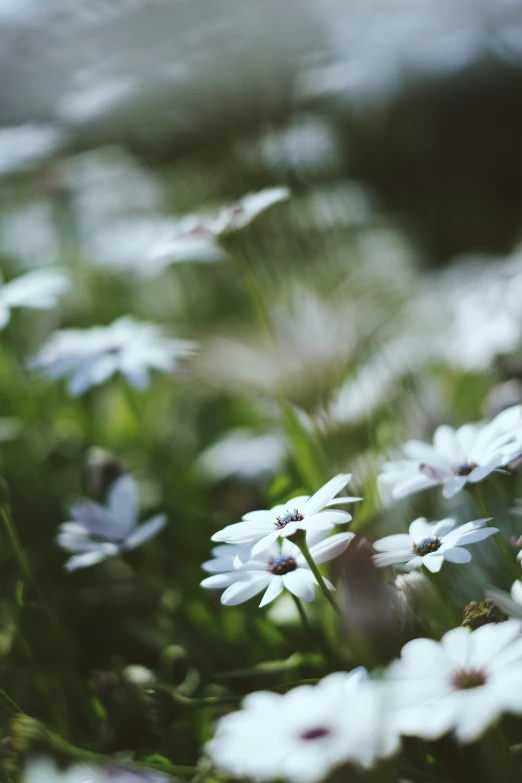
{"points": [[383, 297]]}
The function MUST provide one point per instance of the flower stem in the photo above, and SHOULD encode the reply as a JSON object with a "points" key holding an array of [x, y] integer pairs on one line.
{"points": [[299, 539], [446, 598], [501, 544], [7, 702]]}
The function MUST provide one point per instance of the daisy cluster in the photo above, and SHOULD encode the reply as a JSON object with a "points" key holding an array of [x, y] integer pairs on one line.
{"points": [[459, 685]]}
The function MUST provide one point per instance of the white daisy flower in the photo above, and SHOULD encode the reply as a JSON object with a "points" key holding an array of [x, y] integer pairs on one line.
{"points": [[463, 683], [24, 147], [281, 566], [303, 735], [91, 356], [510, 603], [243, 454], [97, 532], [430, 543], [260, 529], [38, 290], [40, 769], [456, 457]]}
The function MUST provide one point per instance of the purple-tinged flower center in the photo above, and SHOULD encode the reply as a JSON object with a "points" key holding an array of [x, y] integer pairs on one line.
{"points": [[289, 517], [281, 565], [427, 545], [316, 733], [466, 680], [465, 469]]}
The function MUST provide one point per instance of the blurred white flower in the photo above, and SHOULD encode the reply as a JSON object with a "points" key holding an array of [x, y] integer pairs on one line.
{"points": [[281, 566], [463, 683], [457, 457], [244, 454], [303, 735], [22, 147], [150, 243], [196, 237], [302, 357], [91, 356], [260, 529], [410, 592], [430, 543], [98, 532], [510, 603], [44, 770], [38, 290], [308, 143], [29, 234]]}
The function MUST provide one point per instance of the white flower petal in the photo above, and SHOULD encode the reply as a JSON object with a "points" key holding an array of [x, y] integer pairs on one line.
{"points": [[457, 555], [87, 559], [274, 589], [433, 562], [301, 583], [420, 529], [326, 493], [453, 486], [446, 442], [245, 589], [491, 640], [145, 531], [457, 645], [443, 527], [330, 548], [220, 581], [397, 541], [123, 502]]}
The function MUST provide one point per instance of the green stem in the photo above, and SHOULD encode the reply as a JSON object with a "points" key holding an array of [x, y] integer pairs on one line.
{"points": [[302, 615], [299, 539], [446, 598], [7, 702], [501, 544], [305, 451], [309, 633], [80, 754]]}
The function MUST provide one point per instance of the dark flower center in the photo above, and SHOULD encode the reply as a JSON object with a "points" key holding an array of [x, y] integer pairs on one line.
{"points": [[466, 680], [317, 733], [427, 545], [289, 517], [281, 565], [464, 469]]}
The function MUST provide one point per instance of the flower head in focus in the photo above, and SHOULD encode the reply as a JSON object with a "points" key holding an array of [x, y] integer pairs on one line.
{"points": [[456, 457], [38, 290], [431, 543], [463, 683], [304, 734], [97, 532], [260, 529], [91, 356], [281, 566]]}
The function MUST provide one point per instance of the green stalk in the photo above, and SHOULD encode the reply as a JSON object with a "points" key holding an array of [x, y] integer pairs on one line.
{"points": [[7, 702], [446, 598], [299, 539], [501, 544]]}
